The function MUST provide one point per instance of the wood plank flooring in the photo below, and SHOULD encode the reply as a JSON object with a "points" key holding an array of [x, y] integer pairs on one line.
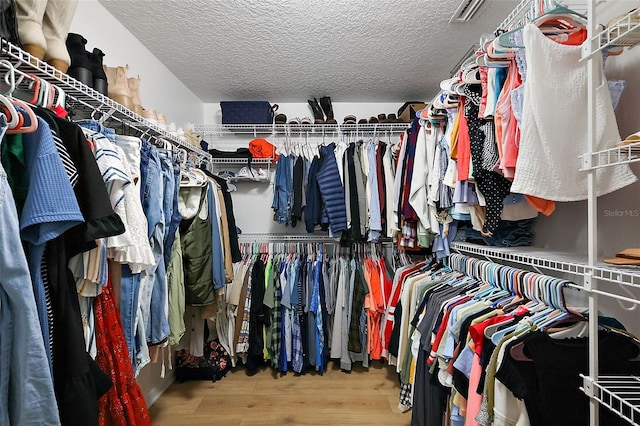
{"points": [[362, 397]]}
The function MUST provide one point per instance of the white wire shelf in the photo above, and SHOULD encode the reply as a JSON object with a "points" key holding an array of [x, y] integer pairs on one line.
{"points": [[537, 258], [620, 394], [623, 32], [519, 16], [320, 129], [86, 96], [244, 161], [611, 157], [241, 179], [524, 12]]}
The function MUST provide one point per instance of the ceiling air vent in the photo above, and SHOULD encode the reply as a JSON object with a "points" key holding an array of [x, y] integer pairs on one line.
{"points": [[466, 11]]}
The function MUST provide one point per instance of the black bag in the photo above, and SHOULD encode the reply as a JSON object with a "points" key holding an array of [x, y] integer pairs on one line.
{"points": [[212, 365], [247, 112]]}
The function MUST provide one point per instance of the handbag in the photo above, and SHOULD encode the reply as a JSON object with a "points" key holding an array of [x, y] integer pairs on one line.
{"points": [[247, 112], [213, 365]]}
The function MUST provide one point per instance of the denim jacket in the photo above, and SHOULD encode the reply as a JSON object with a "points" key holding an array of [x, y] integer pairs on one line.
{"points": [[25, 377]]}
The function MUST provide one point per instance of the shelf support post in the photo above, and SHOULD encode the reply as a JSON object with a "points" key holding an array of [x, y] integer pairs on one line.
{"points": [[593, 78]]}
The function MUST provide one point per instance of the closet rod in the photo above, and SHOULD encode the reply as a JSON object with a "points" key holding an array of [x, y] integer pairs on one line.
{"points": [[267, 237], [457, 259]]}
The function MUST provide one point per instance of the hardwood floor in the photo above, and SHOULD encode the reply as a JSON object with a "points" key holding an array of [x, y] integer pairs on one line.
{"points": [[358, 398]]}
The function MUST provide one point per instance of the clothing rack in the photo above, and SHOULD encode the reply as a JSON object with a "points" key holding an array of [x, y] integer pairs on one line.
{"points": [[491, 272], [266, 237], [102, 107], [622, 32]]}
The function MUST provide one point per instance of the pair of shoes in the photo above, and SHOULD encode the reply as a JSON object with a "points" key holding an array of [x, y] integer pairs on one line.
{"points": [[226, 174], [156, 118], [280, 119], [86, 67], [391, 118], [384, 118], [124, 89], [322, 109], [297, 120], [151, 115], [42, 26], [262, 175], [350, 119], [192, 138], [247, 172]]}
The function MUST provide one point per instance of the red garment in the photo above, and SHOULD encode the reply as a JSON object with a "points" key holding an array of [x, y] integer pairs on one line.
{"points": [[441, 329], [387, 283], [484, 82], [124, 404], [464, 144], [262, 148], [476, 331]]}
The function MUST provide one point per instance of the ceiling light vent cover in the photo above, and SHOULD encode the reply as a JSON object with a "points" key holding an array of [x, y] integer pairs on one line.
{"points": [[466, 11]]}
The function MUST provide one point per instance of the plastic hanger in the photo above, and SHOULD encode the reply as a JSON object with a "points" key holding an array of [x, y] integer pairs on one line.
{"points": [[559, 12], [33, 120], [61, 98], [9, 110], [6, 105]]}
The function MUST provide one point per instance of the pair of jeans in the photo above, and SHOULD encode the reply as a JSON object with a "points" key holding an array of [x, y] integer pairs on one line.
{"points": [[97, 127], [129, 298], [173, 218], [280, 203], [158, 325], [154, 279]]}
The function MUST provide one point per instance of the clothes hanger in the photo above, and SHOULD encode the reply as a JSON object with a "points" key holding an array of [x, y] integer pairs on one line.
{"points": [[14, 119], [33, 120], [61, 98], [24, 113], [559, 12]]}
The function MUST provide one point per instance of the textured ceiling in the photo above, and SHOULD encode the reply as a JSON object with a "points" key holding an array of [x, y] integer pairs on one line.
{"points": [[289, 50]]}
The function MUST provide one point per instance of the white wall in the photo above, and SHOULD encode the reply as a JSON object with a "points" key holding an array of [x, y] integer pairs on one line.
{"points": [[159, 88]]}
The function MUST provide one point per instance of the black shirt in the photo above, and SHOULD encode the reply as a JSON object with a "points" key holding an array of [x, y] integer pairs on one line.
{"points": [[91, 192], [550, 382]]}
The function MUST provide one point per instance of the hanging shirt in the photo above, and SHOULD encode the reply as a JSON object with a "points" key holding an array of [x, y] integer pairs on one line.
{"points": [[551, 103], [375, 222]]}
